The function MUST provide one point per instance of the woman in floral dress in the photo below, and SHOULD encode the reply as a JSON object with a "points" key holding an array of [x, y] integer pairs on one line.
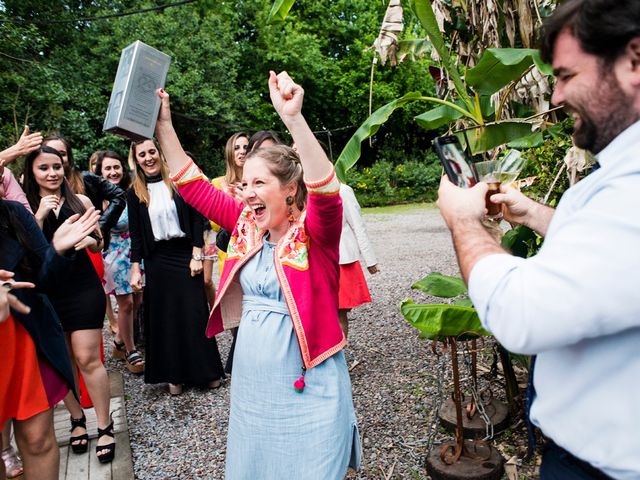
{"points": [[117, 265]]}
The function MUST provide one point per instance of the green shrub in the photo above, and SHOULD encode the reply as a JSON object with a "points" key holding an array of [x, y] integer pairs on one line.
{"points": [[384, 183], [545, 162]]}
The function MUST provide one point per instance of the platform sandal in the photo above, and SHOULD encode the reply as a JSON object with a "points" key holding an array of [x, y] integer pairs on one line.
{"points": [[134, 361], [110, 447], [118, 351], [79, 447]]}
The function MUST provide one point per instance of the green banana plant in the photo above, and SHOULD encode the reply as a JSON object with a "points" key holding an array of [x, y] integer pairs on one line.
{"points": [[437, 321], [496, 69]]}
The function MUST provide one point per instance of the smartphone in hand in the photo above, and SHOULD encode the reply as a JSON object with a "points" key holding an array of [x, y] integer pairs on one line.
{"points": [[456, 164]]}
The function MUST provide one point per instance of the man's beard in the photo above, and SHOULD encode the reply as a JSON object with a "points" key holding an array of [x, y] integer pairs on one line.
{"points": [[610, 112]]}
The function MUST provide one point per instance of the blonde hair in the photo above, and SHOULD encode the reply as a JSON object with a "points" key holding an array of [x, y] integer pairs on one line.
{"points": [[139, 183]]}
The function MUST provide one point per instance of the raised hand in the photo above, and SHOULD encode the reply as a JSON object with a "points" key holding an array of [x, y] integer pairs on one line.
{"points": [[164, 115], [27, 143], [286, 95], [47, 204], [75, 229]]}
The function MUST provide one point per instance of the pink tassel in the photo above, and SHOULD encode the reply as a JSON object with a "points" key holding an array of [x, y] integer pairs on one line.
{"points": [[299, 384]]}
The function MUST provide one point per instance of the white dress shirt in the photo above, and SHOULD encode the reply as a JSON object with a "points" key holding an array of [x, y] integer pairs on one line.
{"points": [[354, 240], [577, 305], [163, 213]]}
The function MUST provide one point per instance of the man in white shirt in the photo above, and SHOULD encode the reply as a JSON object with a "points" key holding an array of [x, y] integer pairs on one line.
{"points": [[576, 304]]}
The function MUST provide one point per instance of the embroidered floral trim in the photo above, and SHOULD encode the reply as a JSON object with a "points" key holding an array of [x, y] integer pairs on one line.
{"points": [[293, 249], [244, 236]]}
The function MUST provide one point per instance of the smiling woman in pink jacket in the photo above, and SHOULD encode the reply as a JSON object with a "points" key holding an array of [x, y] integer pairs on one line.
{"points": [[291, 413]]}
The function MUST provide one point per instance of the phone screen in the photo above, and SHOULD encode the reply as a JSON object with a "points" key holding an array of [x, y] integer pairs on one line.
{"points": [[455, 162]]}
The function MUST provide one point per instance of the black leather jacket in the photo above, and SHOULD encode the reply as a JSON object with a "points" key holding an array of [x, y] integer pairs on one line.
{"points": [[98, 190]]}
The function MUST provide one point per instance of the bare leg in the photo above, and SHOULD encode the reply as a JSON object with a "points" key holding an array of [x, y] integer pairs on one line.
{"points": [[344, 321], [36, 439], [113, 323], [209, 287], [125, 321], [85, 347]]}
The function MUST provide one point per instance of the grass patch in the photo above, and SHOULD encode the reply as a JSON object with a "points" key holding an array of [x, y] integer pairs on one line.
{"points": [[403, 208]]}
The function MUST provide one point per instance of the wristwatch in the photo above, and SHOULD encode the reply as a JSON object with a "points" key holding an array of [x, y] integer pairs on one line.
{"points": [[197, 257]]}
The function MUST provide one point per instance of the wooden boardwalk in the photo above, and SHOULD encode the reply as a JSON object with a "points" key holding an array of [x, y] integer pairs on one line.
{"points": [[86, 466]]}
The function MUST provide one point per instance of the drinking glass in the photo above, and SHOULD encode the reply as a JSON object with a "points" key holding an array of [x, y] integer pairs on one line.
{"points": [[510, 166], [488, 172]]}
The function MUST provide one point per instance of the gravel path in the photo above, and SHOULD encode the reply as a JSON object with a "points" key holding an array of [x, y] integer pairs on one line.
{"points": [[392, 370]]}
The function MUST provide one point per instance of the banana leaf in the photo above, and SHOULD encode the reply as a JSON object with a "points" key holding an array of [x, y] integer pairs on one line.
{"points": [[490, 136], [279, 11], [530, 141], [424, 11], [439, 321], [440, 285], [351, 152], [438, 117], [463, 302], [500, 66]]}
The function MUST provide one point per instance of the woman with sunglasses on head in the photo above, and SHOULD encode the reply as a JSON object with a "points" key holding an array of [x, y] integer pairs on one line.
{"points": [[291, 412], [80, 302], [167, 234], [117, 265]]}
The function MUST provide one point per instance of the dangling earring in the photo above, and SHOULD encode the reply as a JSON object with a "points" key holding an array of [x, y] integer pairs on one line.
{"points": [[289, 201]]}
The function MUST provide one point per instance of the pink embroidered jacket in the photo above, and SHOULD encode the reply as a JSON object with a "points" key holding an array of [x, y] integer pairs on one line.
{"points": [[306, 259]]}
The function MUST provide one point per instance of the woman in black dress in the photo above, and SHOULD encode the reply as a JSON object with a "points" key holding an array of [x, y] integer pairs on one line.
{"points": [[167, 234], [80, 302]]}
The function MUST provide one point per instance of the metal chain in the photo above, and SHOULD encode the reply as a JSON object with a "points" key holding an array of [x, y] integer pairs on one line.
{"points": [[436, 402], [488, 424]]}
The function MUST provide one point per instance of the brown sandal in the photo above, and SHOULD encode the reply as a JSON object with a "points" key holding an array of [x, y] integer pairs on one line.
{"points": [[118, 351], [134, 361]]}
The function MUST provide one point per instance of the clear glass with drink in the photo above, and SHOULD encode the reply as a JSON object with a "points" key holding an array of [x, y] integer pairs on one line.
{"points": [[496, 173], [488, 172]]}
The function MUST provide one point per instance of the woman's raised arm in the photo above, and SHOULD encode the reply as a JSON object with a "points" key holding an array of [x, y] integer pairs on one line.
{"points": [[167, 137], [286, 96]]}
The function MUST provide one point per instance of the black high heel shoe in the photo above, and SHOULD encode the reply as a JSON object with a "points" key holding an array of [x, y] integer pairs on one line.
{"points": [[110, 447], [79, 447]]}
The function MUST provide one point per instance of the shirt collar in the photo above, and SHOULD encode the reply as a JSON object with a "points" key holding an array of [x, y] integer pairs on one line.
{"points": [[618, 144]]}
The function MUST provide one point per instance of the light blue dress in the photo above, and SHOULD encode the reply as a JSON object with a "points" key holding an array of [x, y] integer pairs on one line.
{"points": [[274, 432]]}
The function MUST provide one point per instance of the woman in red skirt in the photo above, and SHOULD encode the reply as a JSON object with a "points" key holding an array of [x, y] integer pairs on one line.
{"points": [[354, 243]]}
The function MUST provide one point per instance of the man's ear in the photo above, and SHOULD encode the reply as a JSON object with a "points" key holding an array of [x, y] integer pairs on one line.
{"points": [[632, 52]]}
